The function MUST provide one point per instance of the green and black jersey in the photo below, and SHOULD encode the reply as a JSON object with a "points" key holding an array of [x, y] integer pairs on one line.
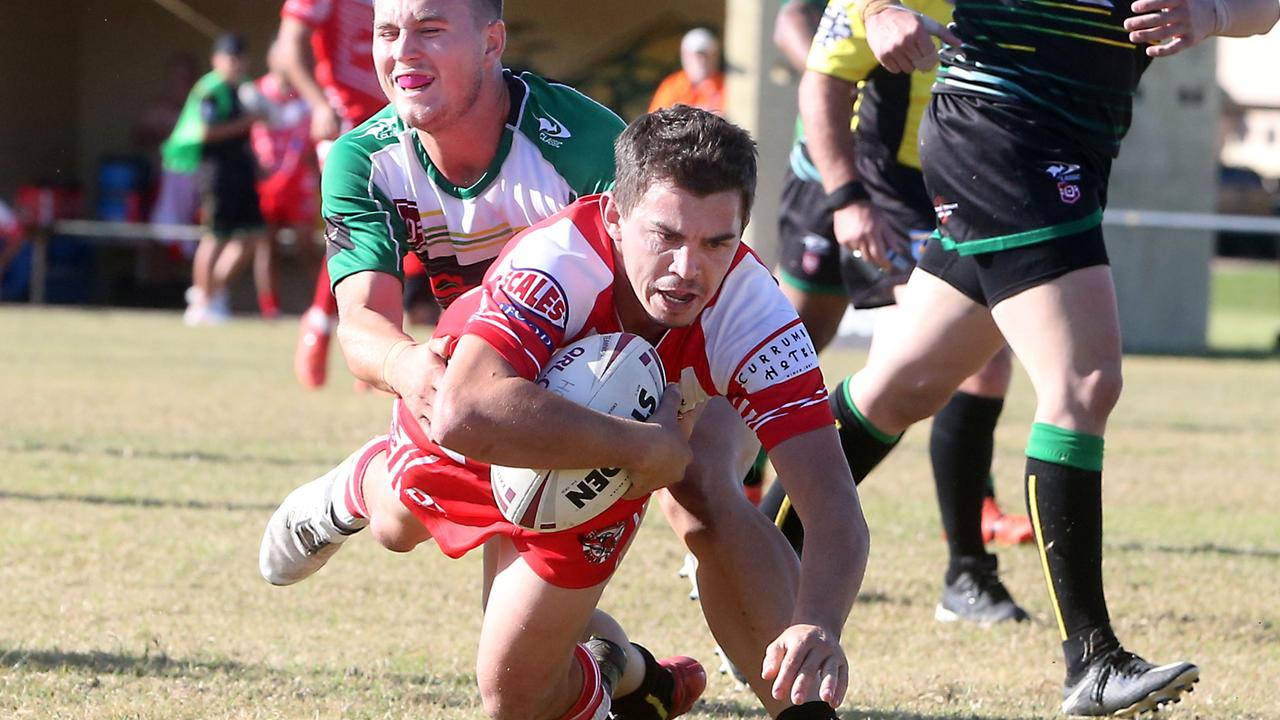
{"points": [[1070, 61], [384, 199]]}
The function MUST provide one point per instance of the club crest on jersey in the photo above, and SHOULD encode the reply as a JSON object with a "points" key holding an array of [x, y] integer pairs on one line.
{"points": [[537, 293], [600, 545], [1069, 193], [786, 355], [408, 212]]}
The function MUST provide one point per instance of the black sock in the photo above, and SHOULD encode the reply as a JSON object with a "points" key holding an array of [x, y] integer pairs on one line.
{"points": [[815, 710], [655, 691], [864, 447], [777, 507], [960, 447], [864, 444], [1065, 503]]}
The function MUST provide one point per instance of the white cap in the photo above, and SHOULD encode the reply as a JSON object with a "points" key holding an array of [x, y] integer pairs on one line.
{"points": [[699, 40]]}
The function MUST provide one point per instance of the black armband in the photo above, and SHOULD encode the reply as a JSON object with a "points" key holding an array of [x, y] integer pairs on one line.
{"points": [[846, 195]]}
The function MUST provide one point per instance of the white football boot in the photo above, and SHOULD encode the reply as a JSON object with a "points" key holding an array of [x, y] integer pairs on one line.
{"points": [[302, 534]]}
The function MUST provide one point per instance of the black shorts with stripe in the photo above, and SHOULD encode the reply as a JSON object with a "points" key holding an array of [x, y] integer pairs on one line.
{"points": [[1018, 200]]}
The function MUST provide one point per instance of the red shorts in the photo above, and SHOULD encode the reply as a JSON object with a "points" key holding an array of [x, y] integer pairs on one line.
{"points": [[288, 205], [451, 496]]}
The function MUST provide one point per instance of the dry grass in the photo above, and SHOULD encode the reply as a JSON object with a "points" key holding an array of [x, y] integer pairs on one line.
{"points": [[141, 459]]}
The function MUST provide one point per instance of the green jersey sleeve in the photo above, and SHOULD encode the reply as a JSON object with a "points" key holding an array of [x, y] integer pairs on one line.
{"points": [[363, 229]]}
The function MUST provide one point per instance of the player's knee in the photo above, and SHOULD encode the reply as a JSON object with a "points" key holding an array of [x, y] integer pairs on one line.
{"points": [[1099, 391], [702, 507], [900, 400], [394, 534]]}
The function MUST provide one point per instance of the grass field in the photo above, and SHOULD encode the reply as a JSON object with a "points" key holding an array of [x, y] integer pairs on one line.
{"points": [[139, 461], [1245, 306]]}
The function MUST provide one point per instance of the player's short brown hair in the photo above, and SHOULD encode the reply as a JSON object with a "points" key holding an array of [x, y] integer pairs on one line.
{"points": [[695, 150], [493, 8]]}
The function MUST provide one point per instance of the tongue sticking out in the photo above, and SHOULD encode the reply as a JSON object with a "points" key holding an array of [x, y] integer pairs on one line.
{"points": [[412, 82]]}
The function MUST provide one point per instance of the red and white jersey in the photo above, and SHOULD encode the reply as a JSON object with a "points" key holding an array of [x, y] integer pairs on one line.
{"points": [[554, 284], [282, 142], [342, 45]]}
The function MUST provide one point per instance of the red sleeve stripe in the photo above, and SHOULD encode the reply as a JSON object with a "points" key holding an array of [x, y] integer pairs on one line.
{"points": [[818, 397]]}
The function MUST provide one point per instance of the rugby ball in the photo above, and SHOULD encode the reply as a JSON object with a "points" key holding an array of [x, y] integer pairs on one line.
{"points": [[616, 373]]}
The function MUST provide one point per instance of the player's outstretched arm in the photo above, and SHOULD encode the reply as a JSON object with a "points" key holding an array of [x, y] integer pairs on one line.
{"points": [[806, 662], [1171, 26], [486, 411], [901, 38]]}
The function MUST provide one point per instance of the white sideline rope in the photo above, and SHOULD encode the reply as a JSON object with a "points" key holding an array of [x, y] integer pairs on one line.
{"points": [[1250, 224]]}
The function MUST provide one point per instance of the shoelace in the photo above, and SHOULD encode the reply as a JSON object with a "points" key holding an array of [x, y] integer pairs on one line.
{"points": [[1121, 663], [988, 583]]}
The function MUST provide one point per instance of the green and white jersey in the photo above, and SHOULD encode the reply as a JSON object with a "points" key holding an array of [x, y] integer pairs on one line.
{"points": [[383, 199]]}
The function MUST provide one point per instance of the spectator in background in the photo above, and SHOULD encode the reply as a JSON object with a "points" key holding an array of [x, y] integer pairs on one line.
{"points": [[288, 187], [226, 180], [177, 199], [15, 273], [699, 81]]}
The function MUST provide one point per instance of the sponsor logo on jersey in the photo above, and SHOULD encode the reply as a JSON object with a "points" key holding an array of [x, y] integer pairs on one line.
{"points": [[1062, 172], [536, 292], [786, 355], [551, 131], [422, 500], [383, 129], [514, 313], [834, 26], [600, 545]]}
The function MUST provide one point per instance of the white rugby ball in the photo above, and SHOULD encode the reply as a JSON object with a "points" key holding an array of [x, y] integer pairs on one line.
{"points": [[616, 373]]}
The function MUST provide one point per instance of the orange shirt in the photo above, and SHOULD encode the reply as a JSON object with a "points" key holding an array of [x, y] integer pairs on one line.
{"points": [[676, 88]]}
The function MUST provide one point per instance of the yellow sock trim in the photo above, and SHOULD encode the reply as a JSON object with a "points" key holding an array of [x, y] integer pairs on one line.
{"points": [[783, 511], [1044, 556]]}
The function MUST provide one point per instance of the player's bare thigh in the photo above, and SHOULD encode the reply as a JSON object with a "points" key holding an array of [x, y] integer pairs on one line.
{"points": [[1066, 333], [524, 663], [936, 339]]}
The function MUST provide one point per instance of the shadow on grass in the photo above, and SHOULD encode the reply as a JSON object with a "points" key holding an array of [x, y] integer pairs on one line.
{"points": [[435, 688], [95, 662], [129, 453], [144, 502], [1201, 549], [736, 709]]}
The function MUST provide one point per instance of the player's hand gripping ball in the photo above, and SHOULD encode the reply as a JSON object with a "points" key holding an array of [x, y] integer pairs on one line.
{"points": [[617, 373]]}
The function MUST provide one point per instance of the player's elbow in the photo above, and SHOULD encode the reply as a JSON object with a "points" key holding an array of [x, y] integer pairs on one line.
{"points": [[457, 424]]}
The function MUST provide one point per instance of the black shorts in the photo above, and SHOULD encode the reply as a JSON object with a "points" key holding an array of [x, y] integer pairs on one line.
{"points": [[1018, 201], [812, 260], [229, 202]]}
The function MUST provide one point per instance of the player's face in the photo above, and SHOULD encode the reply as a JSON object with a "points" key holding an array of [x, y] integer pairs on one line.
{"points": [[675, 249], [432, 57]]}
